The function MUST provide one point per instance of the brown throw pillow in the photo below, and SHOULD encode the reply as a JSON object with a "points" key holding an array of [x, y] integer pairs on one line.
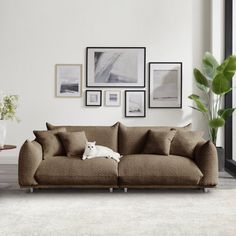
{"points": [[158, 142], [185, 142], [73, 142], [50, 142]]}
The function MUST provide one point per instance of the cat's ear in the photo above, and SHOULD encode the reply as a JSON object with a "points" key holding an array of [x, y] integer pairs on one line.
{"points": [[94, 142]]}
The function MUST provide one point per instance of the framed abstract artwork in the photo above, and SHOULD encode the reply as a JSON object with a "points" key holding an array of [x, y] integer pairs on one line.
{"points": [[135, 103], [93, 98], [112, 98], [115, 66], [68, 80], [165, 85]]}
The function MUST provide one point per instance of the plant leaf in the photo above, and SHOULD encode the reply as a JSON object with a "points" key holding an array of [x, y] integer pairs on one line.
{"points": [[210, 65], [229, 75], [201, 80], [226, 113], [217, 122], [228, 67], [231, 65], [194, 108], [193, 96], [220, 85], [200, 105]]}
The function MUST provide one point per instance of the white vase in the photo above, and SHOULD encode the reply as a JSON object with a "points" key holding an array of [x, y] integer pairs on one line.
{"points": [[3, 132]]}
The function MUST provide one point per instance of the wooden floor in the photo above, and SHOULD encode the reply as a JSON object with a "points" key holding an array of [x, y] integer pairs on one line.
{"points": [[9, 178]]}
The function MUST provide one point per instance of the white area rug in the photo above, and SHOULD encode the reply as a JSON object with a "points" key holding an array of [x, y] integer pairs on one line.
{"points": [[98, 212]]}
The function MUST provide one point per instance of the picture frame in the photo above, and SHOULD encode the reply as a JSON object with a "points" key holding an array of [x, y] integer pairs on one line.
{"points": [[165, 85], [68, 80], [112, 98], [93, 98], [135, 103], [119, 67]]}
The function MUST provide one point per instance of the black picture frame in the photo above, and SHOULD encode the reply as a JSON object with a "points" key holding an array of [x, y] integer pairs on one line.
{"points": [[86, 98], [124, 85], [230, 163], [179, 100], [144, 103]]}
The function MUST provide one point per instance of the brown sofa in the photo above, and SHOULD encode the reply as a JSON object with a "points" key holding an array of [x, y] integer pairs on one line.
{"points": [[135, 170]]}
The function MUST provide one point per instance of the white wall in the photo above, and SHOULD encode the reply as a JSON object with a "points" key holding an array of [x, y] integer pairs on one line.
{"points": [[37, 34]]}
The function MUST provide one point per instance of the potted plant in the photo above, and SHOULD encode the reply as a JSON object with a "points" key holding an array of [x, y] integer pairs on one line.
{"points": [[8, 106], [214, 81]]}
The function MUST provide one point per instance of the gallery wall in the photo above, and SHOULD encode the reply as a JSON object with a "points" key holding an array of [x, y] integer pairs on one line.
{"points": [[36, 35]]}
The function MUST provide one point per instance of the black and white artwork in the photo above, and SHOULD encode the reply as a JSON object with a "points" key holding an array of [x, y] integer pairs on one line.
{"points": [[115, 67], [135, 103], [165, 85], [68, 80], [112, 98], [93, 98]]}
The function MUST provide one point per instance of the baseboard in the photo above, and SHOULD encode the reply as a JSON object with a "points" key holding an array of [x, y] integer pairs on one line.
{"points": [[8, 160]]}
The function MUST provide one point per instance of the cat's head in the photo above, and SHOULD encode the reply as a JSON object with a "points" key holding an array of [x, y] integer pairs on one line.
{"points": [[90, 146]]}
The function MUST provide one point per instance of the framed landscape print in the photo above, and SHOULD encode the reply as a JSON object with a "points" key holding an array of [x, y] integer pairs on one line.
{"points": [[68, 80], [115, 66], [135, 103], [165, 85], [112, 98], [93, 98]]}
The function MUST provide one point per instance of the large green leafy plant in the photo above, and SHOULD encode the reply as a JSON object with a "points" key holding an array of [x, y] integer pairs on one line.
{"points": [[8, 107], [214, 81]]}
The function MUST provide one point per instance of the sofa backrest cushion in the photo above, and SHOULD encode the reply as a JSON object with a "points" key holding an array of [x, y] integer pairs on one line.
{"points": [[50, 142], [103, 135], [184, 143], [73, 142], [132, 139]]}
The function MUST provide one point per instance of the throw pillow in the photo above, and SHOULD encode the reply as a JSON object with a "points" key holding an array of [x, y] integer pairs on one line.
{"points": [[158, 142], [50, 142], [73, 142], [185, 142]]}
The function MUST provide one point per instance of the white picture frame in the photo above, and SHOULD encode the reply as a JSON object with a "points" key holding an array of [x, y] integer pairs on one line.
{"points": [[68, 79], [115, 67], [112, 98], [165, 85]]}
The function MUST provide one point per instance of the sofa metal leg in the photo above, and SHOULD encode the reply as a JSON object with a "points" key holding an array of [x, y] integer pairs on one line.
{"points": [[125, 190], [31, 190], [205, 190], [111, 190]]}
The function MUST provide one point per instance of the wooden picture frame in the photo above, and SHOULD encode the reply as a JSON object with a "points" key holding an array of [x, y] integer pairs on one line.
{"points": [[68, 80], [112, 98]]}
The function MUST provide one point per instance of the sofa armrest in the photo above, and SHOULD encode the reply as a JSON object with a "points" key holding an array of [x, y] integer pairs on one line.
{"points": [[207, 161], [29, 159]]}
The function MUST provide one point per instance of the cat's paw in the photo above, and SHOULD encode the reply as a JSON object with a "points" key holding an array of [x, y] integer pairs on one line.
{"points": [[84, 157]]}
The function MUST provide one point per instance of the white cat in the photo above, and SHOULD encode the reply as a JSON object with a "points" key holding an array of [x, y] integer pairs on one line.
{"points": [[92, 150]]}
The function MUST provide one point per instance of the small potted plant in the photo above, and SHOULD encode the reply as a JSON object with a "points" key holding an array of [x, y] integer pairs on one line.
{"points": [[8, 107], [214, 80]]}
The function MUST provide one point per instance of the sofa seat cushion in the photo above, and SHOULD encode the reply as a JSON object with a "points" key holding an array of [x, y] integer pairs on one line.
{"points": [[151, 170], [61, 170]]}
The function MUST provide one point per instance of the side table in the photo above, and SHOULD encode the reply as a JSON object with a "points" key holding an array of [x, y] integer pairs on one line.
{"points": [[6, 147]]}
